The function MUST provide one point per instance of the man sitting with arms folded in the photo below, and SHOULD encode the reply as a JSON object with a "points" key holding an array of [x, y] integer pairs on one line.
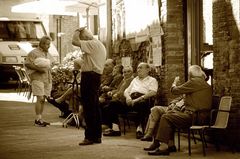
{"points": [[117, 78], [116, 105], [138, 93]]}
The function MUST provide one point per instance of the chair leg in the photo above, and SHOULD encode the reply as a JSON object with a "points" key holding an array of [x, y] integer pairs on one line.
{"points": [[189, 142], [201, 133], [178, 139], [194, 139], [124, 126]]}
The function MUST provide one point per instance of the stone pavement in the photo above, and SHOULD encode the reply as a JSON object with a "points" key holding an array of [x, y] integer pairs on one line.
{"points": [[20, 139]]}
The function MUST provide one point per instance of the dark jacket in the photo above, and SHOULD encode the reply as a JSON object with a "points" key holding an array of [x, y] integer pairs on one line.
{"points": [[198, 93]]}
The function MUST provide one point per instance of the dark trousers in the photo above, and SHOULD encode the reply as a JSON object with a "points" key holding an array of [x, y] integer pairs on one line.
{"points": [[169, 121], [90, 83], [110, 112]]}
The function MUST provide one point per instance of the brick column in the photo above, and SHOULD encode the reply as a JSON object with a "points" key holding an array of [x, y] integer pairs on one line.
{"points": [[226, 49], [173, 45]]}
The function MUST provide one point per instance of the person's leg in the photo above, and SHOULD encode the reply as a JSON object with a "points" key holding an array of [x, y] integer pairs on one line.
{"points": [[165, 134], [90, 83], [39, 107], [143, 109], [114, 108], [65, 95], [153, 120], [38, 91]]}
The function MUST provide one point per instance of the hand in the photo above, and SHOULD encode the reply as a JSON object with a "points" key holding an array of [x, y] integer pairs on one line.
{"points": [[129, 102], [109, 94], [176, 80]]}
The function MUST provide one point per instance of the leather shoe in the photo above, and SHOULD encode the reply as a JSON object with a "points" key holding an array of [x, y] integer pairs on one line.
{"points": [[146, 138], [139, 135], [112, 133], [86, 142], [152, 147], [172, 149], [159, 152], [97, 141]]}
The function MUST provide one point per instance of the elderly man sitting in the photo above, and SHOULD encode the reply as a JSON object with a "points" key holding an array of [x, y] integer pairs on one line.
{"points": [[116, 105], [138, 93], [198, 96]]}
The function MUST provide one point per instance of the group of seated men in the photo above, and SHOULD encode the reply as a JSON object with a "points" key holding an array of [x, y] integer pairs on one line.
{"points": [[121, 92]]}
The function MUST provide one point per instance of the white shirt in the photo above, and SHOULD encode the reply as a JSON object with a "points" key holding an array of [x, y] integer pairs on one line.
{"points": [[142, 85]]}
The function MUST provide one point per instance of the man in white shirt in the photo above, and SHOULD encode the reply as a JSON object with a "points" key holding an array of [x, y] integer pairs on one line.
{"points": [[141, 89]]}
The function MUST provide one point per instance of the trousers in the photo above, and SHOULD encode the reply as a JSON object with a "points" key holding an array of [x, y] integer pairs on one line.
{"points": [[90, 83]]}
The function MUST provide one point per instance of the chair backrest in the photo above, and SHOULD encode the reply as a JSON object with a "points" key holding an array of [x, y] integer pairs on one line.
{"points": [[26, 76], [19, 73], [223, 112]]}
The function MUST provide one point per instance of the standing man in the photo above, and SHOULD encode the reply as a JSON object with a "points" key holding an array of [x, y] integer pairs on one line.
{"points": [[38, 63], [94, 58]]}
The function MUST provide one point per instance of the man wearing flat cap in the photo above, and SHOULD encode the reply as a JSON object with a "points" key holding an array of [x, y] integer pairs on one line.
{"points": [[94, 57]]}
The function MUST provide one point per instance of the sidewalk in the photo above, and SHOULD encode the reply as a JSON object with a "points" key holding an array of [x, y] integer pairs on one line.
{"points": [[20, 139]]}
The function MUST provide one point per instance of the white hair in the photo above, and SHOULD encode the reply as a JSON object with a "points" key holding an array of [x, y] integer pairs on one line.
{"points": [[196, 71]]}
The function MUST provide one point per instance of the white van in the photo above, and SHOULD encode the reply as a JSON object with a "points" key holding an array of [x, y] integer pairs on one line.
{"points": [[17, 39]]}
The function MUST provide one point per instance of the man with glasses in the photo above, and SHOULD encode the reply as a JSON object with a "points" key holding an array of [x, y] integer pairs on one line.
{"points": [[141, 89]]}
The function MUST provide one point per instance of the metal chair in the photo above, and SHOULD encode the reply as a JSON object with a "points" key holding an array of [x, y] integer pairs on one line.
{"points": [[22, 79], [75, 113], [131, 116], [221, 122], [28, 86]]}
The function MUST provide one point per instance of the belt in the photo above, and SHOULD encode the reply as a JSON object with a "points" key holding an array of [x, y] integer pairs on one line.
{"points": [[135, 95]]}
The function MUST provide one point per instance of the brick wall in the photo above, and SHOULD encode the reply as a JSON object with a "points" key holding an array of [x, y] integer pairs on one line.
{"points": [[173, 46], [226, 49], [68, 25]]}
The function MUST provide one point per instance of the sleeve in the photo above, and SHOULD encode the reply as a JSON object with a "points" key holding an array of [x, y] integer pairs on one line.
{"points": [[153, 86], [187, 87], [87, 46], [128, 89]]}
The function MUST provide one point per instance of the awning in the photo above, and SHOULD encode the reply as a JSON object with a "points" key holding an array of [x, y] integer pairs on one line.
{"points": [[59, 7]]}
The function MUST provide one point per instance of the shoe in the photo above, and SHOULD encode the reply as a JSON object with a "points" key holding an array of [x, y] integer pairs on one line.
{"points": [[97, 141], [152, 147], [146, 138], [139, 135], [172, 149], [104, 127], [86, 142], [112, 133], [41, 123], [159, 152]]}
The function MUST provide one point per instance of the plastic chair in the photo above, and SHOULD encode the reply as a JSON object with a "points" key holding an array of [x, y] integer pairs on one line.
{"points": [[221, 121]]}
